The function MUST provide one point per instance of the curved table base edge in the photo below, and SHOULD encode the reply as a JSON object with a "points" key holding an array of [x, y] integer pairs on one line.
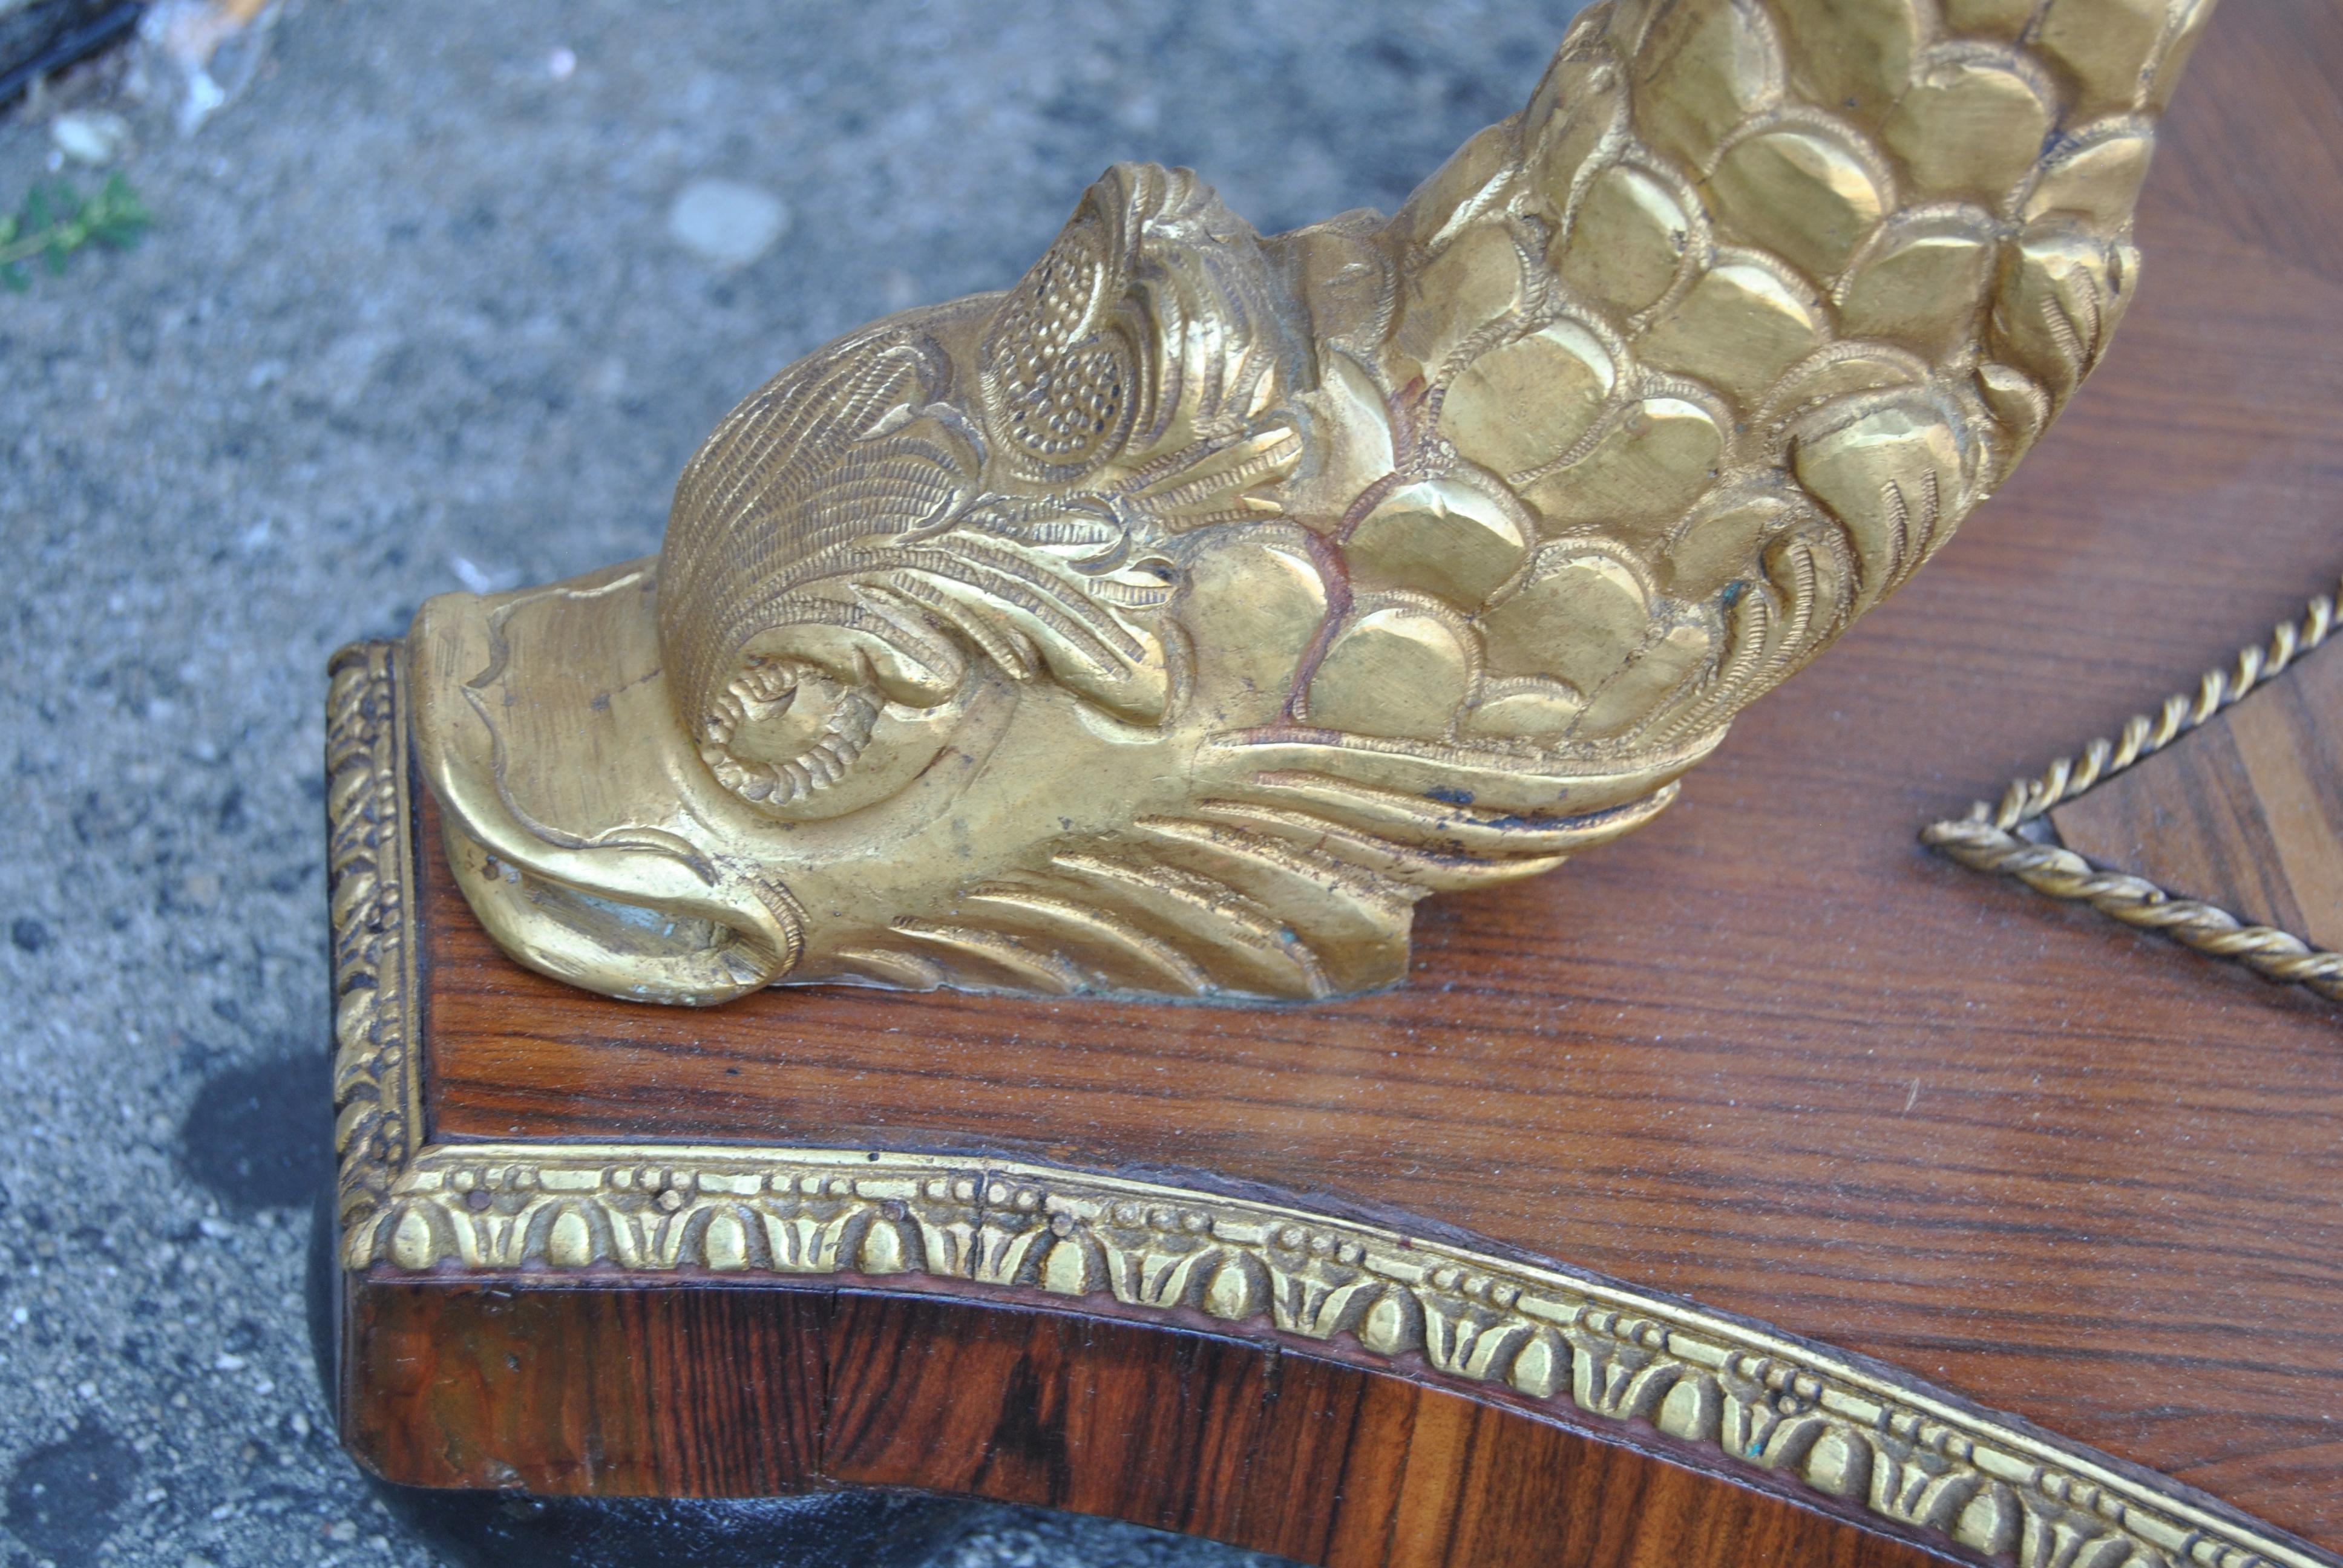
{"points": [[1733, 1397]]}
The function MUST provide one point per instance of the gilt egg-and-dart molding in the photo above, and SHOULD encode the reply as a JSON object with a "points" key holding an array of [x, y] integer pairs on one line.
{"points": [[1171, 623]]}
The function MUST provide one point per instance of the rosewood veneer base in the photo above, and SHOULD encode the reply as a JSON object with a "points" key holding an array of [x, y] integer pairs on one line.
{"points": [[667, 1317], [1769, 1055], [734, 1391]]}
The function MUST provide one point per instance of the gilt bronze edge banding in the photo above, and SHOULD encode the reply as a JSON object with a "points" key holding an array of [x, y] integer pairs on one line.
{"points": [[370, 887], [448, 1213]]}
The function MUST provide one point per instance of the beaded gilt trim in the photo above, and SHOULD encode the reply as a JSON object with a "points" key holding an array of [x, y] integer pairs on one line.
{"points": [[1906, 1455]]}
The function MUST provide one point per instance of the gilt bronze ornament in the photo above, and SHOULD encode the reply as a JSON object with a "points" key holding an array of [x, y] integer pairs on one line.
{"points": [[1174, 622]]}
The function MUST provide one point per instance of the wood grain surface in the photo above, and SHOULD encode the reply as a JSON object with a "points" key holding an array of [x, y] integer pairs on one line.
{"points": [[1768, 1053], [712, 1392], [2244, 813]]}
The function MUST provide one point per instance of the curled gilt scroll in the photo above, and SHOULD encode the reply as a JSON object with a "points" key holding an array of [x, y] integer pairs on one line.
{"points": [[1175, 621]]}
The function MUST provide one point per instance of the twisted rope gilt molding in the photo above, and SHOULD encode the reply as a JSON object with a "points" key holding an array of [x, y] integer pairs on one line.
{"points": [[1990, 837], [1751, 1397]]}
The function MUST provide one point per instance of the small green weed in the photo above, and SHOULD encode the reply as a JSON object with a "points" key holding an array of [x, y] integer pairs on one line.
{"points": [[56, 220]]}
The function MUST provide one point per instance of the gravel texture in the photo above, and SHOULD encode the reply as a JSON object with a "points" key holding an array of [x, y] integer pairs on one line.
{"points": [[414, 315]]}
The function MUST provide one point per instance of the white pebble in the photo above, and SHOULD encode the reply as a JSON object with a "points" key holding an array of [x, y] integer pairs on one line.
{"points": [[727, 222], [92, 136]]}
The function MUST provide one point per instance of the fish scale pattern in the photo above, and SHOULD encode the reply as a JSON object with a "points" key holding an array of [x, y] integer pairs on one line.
{"points": [[1688, 365], [1719, 340], [1173, 623]]}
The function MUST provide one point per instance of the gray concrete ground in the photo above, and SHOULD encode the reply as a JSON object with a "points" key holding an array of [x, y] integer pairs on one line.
{"points": [[414, 313]]}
